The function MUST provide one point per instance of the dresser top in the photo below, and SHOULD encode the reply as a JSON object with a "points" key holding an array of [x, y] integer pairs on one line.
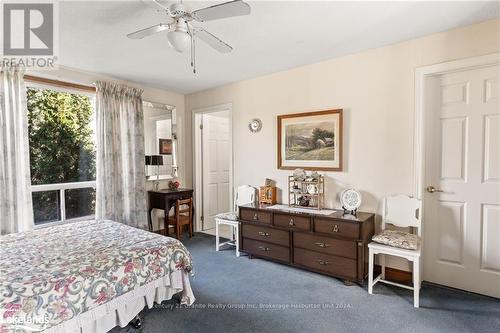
{"points": [[337, 214], [169, 191]]}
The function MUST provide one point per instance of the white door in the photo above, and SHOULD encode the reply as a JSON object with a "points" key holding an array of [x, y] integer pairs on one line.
{"points": [[462, 223], [216, 162]]}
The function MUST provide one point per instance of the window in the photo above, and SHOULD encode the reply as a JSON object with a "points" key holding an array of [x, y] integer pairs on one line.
{"points": [[62, 154]]}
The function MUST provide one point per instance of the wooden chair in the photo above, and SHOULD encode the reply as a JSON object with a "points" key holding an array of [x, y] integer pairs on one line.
{"points": [[183, 215], [400, 211]]}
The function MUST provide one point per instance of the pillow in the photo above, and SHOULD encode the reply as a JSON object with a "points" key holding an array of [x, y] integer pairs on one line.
{"points": [[232, 216], [399, 239]]}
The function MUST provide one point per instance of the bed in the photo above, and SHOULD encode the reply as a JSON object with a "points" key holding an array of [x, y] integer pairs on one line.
{"points": [[87, 276]]}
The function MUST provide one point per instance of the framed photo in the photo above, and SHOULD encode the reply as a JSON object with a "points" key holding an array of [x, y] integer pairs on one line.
{"points": [[311, 141], [165, 147]]}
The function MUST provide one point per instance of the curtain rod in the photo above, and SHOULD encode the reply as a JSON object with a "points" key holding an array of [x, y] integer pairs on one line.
{"points": [[58, 83]]}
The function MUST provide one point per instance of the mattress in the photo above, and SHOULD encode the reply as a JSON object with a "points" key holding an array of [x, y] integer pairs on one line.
{"points": [[61, 278]]}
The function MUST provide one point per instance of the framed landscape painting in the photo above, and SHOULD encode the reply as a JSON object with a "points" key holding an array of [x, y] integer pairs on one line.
{"points": [[311, 141]]}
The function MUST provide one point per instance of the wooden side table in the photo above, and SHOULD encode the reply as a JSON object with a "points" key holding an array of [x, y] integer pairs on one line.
{"points": [[165, 199]]}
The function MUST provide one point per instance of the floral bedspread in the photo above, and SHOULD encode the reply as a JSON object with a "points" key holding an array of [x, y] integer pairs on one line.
{"points": [[56, 273]]}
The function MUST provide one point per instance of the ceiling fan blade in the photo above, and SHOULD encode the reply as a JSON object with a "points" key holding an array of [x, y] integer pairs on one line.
{"points": [[156, 4], [223, 10], [139, 34], [212, 40]]}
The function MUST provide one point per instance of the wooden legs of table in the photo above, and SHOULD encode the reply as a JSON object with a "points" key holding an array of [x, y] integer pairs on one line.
{"points": [[178, 230], [167, 229], [150, 220]]}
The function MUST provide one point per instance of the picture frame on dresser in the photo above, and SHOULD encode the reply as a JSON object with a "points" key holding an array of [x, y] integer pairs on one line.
{"points": [[311, 140]]}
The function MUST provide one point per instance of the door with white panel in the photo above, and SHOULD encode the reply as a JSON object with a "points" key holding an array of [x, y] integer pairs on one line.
{"points": [[216, 166], [462, 175]]}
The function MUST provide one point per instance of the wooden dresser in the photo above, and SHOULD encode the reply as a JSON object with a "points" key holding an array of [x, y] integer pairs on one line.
{"points": [[335, 244]]}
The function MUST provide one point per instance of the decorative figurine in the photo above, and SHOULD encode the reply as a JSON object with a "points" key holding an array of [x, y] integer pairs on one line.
{"points": [[174, 185]]}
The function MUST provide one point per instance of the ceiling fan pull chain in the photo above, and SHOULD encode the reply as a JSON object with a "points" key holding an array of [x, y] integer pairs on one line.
{"points": [[191, 33], [194, 57], [192, 48]]}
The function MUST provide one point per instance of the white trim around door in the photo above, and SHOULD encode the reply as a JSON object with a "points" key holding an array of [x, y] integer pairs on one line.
{"points": [[197, 184]]}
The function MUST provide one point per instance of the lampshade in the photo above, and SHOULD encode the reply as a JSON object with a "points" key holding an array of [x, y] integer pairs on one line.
{"points": [[178, 39], [156, 160]]}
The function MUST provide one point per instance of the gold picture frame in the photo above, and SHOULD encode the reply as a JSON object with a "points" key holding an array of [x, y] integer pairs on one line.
{"points": [[311, 140]]}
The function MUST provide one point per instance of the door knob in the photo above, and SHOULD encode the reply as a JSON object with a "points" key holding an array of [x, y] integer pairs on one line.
{"points": [[432, 189]]}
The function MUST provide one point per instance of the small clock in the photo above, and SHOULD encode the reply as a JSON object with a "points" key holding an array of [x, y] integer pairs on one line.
{"points": [[255, 125]]}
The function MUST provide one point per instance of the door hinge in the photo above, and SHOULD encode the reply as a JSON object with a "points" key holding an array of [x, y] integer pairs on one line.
{"points": [[202, 218], [201, 126]]}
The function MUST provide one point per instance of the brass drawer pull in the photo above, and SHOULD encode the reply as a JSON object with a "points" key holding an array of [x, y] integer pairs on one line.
{"points": [[265, 234], [336, 228], [291, 223], [255, 216], [321, 244], [323, 262], [264, 248]]}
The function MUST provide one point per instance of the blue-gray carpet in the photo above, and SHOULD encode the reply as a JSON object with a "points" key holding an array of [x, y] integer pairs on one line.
{"points": [[242, 295]]}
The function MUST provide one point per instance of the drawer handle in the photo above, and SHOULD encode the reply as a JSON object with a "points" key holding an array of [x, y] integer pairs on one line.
{"points": [[336, 228], [291, 223], [265, 234], [264, 248], [321, 244], [323, 262], [255, 216]]}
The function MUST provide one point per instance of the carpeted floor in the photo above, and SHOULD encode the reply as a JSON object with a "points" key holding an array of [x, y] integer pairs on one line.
{"points": [[242, 295]]}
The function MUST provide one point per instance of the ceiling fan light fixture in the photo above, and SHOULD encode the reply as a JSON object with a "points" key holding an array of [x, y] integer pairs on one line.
{"points": [[179, 40]]}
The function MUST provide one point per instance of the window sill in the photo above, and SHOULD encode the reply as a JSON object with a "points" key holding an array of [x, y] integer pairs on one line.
{"points": [[51, 224]]}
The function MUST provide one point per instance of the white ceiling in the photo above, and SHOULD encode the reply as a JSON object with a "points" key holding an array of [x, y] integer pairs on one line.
{"points": [[277, 35]]}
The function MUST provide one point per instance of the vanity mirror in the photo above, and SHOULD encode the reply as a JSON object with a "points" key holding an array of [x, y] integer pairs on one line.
{"points": [[160, 135]]}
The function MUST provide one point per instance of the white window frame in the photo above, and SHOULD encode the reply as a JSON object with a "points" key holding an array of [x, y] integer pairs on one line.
{"points": [[62, 187]]}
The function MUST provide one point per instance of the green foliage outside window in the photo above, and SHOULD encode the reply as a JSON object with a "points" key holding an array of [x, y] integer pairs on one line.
{"points": [[61, 151]]}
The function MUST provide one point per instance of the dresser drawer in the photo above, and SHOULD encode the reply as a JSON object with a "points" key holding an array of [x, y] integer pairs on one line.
{"points": [[292, 221], [335, 227], [268, 250], [270, 235], [326, 263], [255, 215], [327, 245]]}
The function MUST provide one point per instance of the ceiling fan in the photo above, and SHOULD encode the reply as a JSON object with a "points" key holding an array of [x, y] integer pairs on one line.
{"points": [[182, 32]]}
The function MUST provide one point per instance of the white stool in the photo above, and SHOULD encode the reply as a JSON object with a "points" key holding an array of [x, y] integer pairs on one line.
{"points": [[230, 219]]}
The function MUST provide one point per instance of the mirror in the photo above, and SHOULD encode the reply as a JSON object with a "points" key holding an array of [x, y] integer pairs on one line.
{"points": [[160, 135]]}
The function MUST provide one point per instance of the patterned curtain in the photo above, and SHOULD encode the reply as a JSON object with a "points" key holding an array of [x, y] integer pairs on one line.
{"points": [[120, 177], [16, 208]]}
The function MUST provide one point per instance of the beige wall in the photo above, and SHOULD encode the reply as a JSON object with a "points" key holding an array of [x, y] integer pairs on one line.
{"points": [[376, 90], [150, 94]]}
